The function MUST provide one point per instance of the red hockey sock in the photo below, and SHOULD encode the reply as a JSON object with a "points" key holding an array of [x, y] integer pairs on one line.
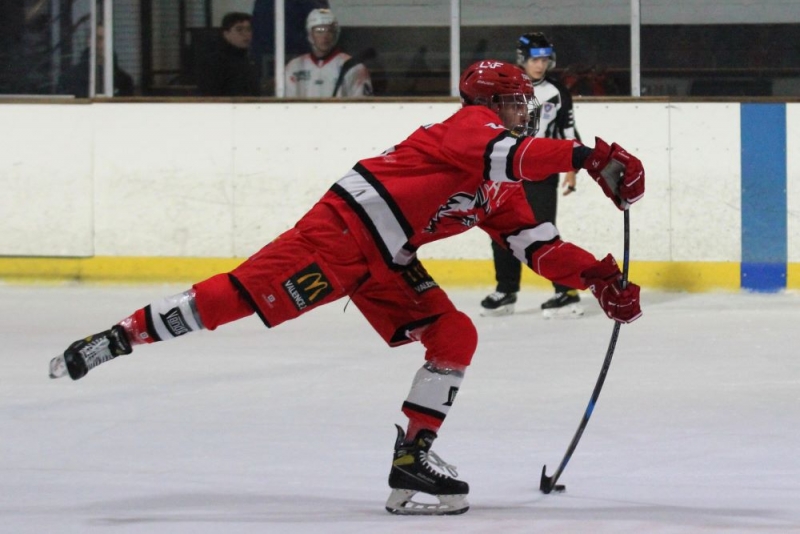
{"points": [[450, 343], [219, 302], [432, 393], [207, 304], [136, 328], [417, 422]]}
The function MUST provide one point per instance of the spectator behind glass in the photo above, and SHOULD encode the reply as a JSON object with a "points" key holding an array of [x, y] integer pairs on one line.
{"points": [[296, 13], [226, 69], [326, 71], [75, 81]]}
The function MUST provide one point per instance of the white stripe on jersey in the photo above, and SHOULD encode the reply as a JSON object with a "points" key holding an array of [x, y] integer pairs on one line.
{"points": [[382, 218], [539, 234], [498, 161]]}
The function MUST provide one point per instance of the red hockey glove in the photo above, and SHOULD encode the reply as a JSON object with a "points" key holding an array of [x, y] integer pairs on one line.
{"points": [[605, 281], [619, 174]]}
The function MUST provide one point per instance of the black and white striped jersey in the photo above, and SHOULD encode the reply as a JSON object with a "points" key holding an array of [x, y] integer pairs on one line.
{"points": [[452, 176], [557, 116]]}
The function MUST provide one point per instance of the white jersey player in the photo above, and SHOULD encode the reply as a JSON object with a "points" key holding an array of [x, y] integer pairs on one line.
{"points": [[326, 71]]}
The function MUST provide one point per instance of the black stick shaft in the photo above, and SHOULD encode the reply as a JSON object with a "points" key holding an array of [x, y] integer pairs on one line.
{"points": [[548, 483]]}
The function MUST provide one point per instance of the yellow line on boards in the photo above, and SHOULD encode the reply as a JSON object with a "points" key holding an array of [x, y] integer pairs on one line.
{"points": [[679, 276]]}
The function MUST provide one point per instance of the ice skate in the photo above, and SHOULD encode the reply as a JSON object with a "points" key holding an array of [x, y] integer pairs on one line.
{"points": [[563, 305], [412, 474], [498, 304], [86, 354]]}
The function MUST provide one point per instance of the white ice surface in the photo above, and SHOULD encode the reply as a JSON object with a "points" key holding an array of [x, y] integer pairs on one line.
{"points": [[290, 430]]}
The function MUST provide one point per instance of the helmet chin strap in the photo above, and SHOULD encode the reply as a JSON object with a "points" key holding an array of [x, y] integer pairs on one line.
{"points": [[519, 130], [520, 127]]}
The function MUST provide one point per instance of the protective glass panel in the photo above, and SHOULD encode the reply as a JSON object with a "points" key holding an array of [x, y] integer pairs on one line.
{"points": [[162, 47], [45, 48], [592, 46], [706, 48], [406, 44]]}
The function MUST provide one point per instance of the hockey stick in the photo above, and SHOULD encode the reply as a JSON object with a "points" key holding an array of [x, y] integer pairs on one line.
{"points": [[547, 483]]}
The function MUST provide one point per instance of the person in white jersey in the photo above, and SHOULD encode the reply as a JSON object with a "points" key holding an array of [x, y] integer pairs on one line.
{"points": [[326, 71]]}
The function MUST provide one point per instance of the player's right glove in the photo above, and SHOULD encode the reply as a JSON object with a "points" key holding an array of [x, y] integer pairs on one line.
{"points": [[619, 174], [605, 281]]}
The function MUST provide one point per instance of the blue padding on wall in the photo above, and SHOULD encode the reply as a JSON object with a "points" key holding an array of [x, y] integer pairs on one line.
{"points": [[764, 241], [764, 276]]}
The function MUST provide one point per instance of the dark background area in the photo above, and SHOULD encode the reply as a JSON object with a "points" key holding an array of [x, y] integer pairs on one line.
{"points": [[690, 60]]}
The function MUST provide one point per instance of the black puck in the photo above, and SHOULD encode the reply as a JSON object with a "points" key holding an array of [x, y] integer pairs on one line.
{"points": [[559, 487]]}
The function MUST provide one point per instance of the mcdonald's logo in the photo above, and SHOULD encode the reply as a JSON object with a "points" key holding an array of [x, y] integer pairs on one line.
{"points": [[316, 283], [418, 278], [308, 286]]}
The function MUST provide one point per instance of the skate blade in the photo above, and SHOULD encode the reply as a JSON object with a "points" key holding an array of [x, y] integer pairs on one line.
{"points": [[400, 503], [58, 367], [508, 309], [570, 311]]}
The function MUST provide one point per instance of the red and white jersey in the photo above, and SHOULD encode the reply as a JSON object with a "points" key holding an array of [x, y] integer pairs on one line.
{"points": [[310, 77], [449, 177]]}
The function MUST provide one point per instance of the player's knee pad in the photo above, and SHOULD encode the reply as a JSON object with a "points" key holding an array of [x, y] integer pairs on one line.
{"points": [[451, 339]]}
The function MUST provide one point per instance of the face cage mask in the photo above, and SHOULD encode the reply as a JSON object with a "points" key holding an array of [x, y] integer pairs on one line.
{"points": [[528, 123]]}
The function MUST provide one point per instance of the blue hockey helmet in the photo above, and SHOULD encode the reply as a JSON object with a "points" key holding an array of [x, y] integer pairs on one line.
{"points": [[535, 45]]}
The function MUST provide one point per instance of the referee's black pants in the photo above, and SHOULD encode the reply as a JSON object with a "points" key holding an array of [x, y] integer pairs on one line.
{"points": [[543, 199]]}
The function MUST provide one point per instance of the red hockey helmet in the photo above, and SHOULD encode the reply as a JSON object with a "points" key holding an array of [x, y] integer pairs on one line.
{"points": [[505, 89]]}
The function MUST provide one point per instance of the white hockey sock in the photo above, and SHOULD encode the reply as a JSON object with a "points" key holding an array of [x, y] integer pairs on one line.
{"points": [[172, 316], [433, 391]]}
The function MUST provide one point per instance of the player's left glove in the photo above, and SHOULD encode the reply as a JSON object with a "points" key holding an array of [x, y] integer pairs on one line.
{"points": [[605, 281], [619, 174]]}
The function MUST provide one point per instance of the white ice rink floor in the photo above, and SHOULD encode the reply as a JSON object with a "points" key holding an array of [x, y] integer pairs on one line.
{"points": [[290, 430]]}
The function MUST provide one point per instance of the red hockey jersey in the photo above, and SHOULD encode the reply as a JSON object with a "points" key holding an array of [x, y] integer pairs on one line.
{"points": [[449, 177]]}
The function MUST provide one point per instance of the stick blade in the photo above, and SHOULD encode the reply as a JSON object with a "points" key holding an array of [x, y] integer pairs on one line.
{"points": [[547, 484]]}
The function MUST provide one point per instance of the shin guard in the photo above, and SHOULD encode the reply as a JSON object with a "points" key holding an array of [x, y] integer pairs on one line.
{"points": [[432, 394], [450, 342], [164, 319]]}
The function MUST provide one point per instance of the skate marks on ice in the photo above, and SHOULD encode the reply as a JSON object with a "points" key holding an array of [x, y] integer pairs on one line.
{"points": [[289, 430], [185, 512], [591, 514], [232, 508], [307, 513]]}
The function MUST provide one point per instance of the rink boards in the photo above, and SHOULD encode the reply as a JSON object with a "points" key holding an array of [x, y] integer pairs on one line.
{"points": [[179, 191]]}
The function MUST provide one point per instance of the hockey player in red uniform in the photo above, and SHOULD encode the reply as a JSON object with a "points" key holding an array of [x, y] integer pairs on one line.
{"points": [[360, 241]]}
